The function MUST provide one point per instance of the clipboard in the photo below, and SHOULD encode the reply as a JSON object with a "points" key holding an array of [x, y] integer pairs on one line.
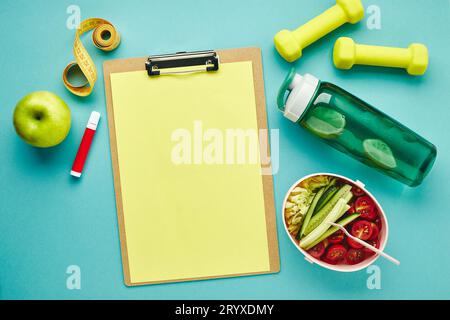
{"points": [[205, 59]]}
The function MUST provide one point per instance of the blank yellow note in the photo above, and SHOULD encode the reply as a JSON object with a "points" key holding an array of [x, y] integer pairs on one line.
{"points": [[188, 220]]}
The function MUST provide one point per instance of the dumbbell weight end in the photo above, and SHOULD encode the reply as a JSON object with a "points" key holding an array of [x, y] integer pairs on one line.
{"points": [[291, 43]]}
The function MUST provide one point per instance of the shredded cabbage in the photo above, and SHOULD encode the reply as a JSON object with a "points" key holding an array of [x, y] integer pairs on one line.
{"points": [[300, 199], [296, 207]]}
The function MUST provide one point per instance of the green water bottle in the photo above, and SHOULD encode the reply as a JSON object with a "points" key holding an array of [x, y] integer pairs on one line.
{"points": [[356, 128]]}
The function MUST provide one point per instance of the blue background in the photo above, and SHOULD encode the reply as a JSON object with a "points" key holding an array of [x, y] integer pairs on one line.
{"points": [[49, 221]]}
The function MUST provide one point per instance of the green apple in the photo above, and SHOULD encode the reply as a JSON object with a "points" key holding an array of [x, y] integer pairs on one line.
{"points": [[42, 119]]}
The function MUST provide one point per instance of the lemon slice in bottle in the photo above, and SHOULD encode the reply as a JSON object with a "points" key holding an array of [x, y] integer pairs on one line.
{"points": [[325, 122], [380, 153]]}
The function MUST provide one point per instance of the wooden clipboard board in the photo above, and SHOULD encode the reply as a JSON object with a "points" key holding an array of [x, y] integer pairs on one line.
{"points": [[232, 55]]}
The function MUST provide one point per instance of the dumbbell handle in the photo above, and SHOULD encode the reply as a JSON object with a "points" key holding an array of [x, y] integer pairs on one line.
{"points": [[321, 25], [382, 56]]}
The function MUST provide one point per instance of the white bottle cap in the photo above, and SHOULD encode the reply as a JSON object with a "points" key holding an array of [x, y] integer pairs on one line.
{"points": [[93, 120], [302, 91]]}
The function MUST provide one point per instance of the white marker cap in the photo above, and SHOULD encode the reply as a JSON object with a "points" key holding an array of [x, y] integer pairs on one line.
{"points": [[93, 120], [75, 174]]}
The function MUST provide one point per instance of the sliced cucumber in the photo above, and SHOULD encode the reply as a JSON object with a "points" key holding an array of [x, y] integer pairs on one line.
{"points": [[328, 194], [347, 197], [332, 230], [380, 153], [322, 213], [309, 213], [324, 225], [332, 183]]}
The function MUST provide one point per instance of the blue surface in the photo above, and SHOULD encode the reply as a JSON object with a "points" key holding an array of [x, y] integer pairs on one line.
{"points": [[49, 221]]}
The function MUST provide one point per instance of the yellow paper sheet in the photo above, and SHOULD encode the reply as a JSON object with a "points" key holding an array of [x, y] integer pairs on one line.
{"points": [[186, 221]]}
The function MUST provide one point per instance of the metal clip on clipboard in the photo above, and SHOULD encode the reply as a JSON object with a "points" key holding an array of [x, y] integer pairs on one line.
{"points": [[182, 62]]}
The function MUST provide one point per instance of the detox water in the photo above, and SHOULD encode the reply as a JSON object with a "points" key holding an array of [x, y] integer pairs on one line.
{"points": [[368, 135]]}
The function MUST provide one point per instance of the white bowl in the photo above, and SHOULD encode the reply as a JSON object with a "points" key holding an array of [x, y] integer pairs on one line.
{"points": [[384, 232]]}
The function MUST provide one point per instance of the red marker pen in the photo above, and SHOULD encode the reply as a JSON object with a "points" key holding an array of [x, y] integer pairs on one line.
{"points": [[85, 144]]}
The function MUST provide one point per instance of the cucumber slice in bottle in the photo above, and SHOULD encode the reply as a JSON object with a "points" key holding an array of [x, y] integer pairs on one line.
{"points": [[380, 153], [325, 122]]}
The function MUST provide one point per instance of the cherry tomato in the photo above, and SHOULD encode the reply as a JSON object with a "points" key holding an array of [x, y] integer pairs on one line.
{"points": [[378, 223], [335, 254], [362, 229], [329, 261], [336, 237], [318, 250], [374, 243], [357, 192], [355, 245], [351, 210], [375, 231], [366, 207], [354, 256]]}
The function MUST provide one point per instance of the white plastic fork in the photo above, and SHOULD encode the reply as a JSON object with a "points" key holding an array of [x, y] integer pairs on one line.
{"points": [[365, 244]]}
